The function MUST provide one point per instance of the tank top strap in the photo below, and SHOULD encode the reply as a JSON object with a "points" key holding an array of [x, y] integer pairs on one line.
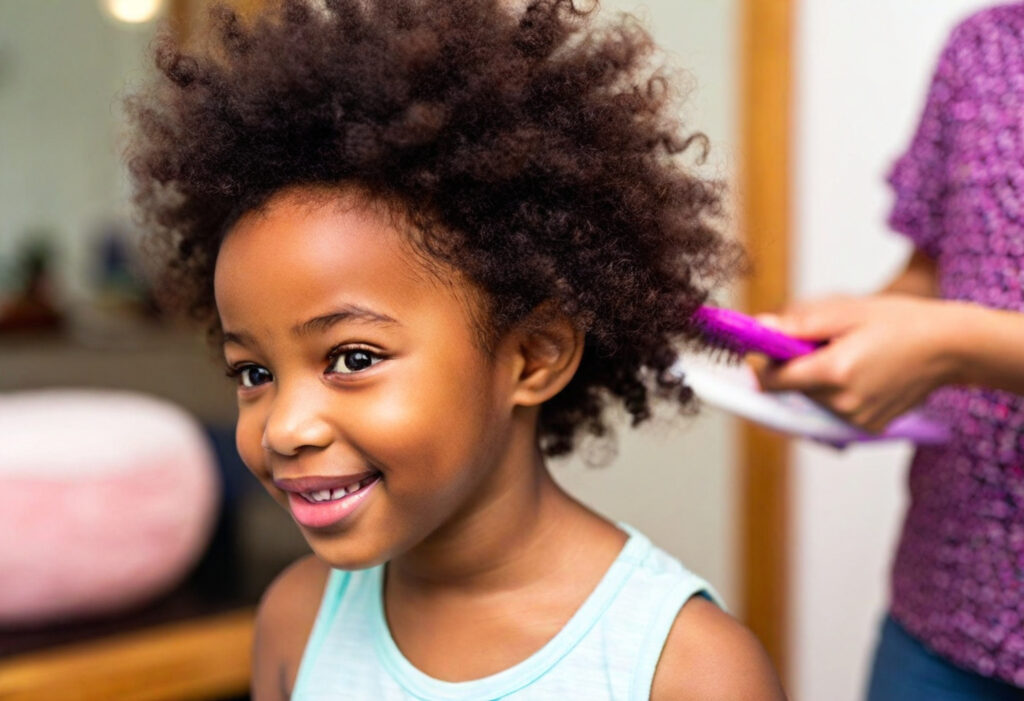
{"points": [[643, 614], [334, 593]]}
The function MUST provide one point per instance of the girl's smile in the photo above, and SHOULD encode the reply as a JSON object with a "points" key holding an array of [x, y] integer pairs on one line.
{"points": [[318, 502], [367, 406]]}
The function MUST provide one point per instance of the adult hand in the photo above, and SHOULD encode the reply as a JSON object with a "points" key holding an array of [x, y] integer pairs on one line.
{"points": [[884, 354]]}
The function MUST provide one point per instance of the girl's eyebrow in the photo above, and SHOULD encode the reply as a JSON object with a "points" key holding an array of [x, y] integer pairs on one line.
{"points": [[318, 324], [349, 312], [239, 338]]}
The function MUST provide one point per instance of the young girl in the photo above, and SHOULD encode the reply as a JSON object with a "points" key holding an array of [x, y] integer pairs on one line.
{"points": [[435, 238], [948, 331]]}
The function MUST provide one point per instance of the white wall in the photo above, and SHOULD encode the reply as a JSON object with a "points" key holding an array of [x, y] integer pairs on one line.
{"points": [[676, 480], [862, 71], [63, 66]]}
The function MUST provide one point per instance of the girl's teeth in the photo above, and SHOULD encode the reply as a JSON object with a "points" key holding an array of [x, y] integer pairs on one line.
{"points": [[335, 494]]}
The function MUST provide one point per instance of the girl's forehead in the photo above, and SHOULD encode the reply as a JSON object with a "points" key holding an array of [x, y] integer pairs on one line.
{"points": [[305, 251], [311, 230]]}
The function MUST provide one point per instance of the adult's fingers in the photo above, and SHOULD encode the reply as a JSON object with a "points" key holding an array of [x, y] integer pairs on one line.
{"points": [[809, 373], [816, 320]]}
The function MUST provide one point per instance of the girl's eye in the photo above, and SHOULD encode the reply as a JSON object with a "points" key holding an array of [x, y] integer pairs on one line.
{"points": [[251, 375], [354, 360]]}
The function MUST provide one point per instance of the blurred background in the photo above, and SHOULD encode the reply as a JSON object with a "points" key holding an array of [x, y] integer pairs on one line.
{"points": [[805, 104]]}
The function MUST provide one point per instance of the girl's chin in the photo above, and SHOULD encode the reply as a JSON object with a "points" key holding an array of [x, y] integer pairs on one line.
{"points": [[347, 557]]}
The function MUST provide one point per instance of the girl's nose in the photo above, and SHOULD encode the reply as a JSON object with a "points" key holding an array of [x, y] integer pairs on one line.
{"points": [[295, 422]]}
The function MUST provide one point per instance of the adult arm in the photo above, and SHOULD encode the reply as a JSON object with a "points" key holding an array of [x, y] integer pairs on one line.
{"points": [[919, 277], [887, 352]]}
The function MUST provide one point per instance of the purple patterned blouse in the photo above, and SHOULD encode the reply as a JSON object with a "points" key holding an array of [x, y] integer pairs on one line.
{"points": [[958, 578]]}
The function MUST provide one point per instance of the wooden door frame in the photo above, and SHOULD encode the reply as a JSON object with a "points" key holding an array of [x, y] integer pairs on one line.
{"points": [[766, 33]]}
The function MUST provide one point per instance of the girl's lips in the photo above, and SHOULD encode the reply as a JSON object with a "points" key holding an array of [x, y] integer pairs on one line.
{"points": [[321, 514], [316, 483]]}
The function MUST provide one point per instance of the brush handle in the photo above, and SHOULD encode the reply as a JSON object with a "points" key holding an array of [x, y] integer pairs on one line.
{"points": [[744, 334], [912, 426], [733, 387]]}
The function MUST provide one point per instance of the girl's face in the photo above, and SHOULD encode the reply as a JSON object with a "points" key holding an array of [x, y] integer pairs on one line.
{"points": [[366, 405]]}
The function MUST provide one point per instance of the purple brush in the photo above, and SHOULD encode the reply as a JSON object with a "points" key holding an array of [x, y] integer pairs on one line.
{"points": [[738, 334]]}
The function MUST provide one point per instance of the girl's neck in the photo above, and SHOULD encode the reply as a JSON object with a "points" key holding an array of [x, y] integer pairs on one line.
{"points": [[515, 568], [521, 525]]}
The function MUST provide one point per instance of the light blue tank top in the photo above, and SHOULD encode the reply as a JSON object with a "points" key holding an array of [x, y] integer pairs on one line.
{"points": [[608, 650]]}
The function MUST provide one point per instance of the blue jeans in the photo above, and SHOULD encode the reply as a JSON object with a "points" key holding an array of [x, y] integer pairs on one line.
{"points": [[905, 670]]}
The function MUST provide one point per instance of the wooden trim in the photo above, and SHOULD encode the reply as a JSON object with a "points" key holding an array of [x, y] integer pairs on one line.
{"points": [[187, 18], [766, 33], [201, 659]]}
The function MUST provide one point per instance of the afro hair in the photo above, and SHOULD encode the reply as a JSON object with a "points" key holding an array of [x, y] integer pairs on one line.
{"points": [[535, 150]]}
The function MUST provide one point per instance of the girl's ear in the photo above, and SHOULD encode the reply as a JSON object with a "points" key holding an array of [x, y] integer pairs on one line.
{"points": [[548, 349]]}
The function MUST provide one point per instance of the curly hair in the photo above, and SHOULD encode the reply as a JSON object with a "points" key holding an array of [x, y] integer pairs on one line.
{"points": [[533, 149]]}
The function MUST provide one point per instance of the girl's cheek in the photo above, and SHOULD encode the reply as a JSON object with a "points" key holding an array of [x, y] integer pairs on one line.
{"points": [[410, 423], [248, 441], [391, 425]]}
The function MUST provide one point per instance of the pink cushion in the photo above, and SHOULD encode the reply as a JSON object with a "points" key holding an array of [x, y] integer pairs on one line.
{"points": [[107, 499]]}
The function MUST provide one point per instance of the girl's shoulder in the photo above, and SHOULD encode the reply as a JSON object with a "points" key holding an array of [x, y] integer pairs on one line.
{"points": [[284, 620], [710, 655]]}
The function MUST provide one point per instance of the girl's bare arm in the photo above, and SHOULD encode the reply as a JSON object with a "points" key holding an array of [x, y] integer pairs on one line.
{"points": [[709, 656], [284, 620]]}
